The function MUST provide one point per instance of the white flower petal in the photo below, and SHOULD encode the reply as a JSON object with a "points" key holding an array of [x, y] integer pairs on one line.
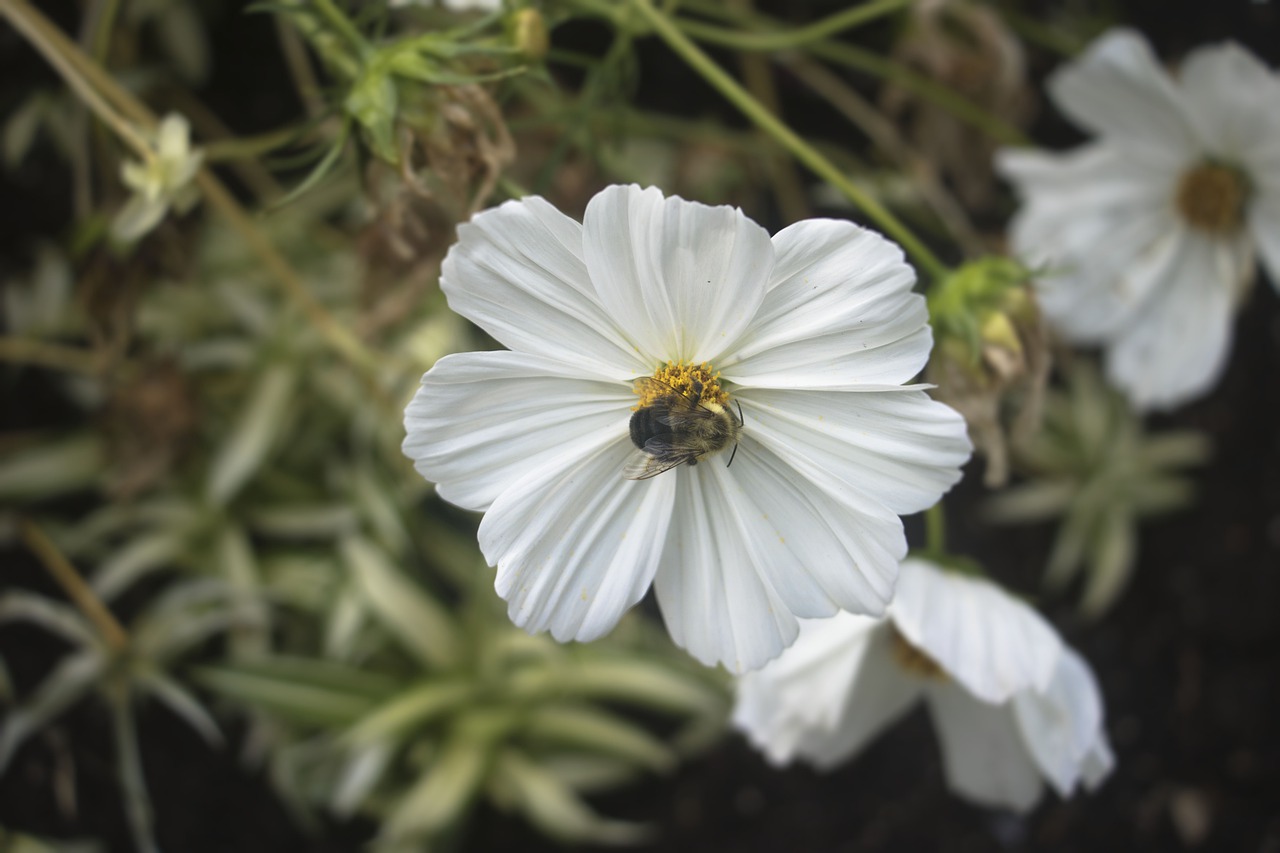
{"points": [[714, 596], [878, 696], [1118, 90], [982, 755], [1264, 226], [575, 543], [839, 313], [806, 688], [517, 272], [1090, 215], [1098, 763], [988, 641], [173, 137], [685, 278], [1234, 100], [138, 216], [1178, 344], [893, 447], [1060, 726], [481, 421], [816, 552]]}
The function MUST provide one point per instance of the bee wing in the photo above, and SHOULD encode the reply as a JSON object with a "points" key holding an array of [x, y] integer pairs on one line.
{"points": [[653, 387], [643, 465]]}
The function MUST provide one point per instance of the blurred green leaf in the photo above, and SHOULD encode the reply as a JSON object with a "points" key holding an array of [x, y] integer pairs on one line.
{"points": [[555, 808], [301, 690], [73, 677], [52, 468], [253, 435], [423, 627], [442, 794]]}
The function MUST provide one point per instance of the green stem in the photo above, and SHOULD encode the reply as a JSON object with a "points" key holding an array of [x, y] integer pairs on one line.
{"points": [[843, 53], [340, 22], [801, 36], [801, 150], [935, 529]]}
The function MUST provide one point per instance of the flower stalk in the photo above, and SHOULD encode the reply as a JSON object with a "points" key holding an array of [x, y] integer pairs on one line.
{"points": [[60, 568], [787, 138]]}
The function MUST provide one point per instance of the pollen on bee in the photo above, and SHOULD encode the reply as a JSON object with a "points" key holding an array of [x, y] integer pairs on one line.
{"points": [[681, 377]]}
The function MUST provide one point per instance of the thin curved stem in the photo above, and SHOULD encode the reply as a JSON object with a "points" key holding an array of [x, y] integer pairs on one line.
{"points": [[800, 36], [801, 150], [80, 593], [850, 56]]}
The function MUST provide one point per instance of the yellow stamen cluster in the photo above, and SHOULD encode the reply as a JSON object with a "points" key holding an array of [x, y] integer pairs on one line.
{"points": [[912, 659], [1211, 197], [681, 377]]}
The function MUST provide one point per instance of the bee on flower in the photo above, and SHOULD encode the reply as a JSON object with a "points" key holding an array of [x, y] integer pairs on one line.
{"points": [[785, 355]]}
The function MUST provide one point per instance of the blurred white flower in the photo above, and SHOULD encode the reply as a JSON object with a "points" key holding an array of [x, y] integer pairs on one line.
{"points": [[811, 332], [1011, 703], [1147, 235], [160, 182]]}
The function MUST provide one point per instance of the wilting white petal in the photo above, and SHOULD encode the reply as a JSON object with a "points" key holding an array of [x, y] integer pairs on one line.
{"points": [[483, 420], [1060, 726], [574, 542], [683, 279], [988, 641], [1118, 90], [517, 272], [839, 312], [806, 690], [879, 694], [982, 755]]}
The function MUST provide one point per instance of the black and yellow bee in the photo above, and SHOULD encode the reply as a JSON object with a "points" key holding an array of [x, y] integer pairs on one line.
{"points": [[675, 428]]}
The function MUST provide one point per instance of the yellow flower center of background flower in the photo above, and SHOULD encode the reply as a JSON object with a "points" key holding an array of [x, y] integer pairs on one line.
{"points": [[1211, 198], [684, 378], [912, 659]]}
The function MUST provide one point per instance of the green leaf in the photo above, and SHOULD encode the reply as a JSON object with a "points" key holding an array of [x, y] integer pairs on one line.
{"points": [[555, 809], [625, 679], [253, 435], [71, 679], [440, 797], [183, 703], [301, 690], [53, 468], [592, 730], [412, 709], [423, 627]]}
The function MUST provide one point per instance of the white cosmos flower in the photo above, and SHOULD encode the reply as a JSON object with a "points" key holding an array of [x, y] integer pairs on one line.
{"points": [[811, 332], [1011, 703], [1148, 233]]}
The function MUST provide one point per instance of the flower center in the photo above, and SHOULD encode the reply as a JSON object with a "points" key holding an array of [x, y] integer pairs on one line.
{"points": [[1211, 197], [912, 659], [685, 379]]}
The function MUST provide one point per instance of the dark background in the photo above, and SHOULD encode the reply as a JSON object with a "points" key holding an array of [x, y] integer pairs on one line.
{"points": [[1188, 662]]}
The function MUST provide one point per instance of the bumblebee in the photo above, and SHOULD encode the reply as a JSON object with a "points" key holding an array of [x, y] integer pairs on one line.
{"points": [[675, 428]]}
